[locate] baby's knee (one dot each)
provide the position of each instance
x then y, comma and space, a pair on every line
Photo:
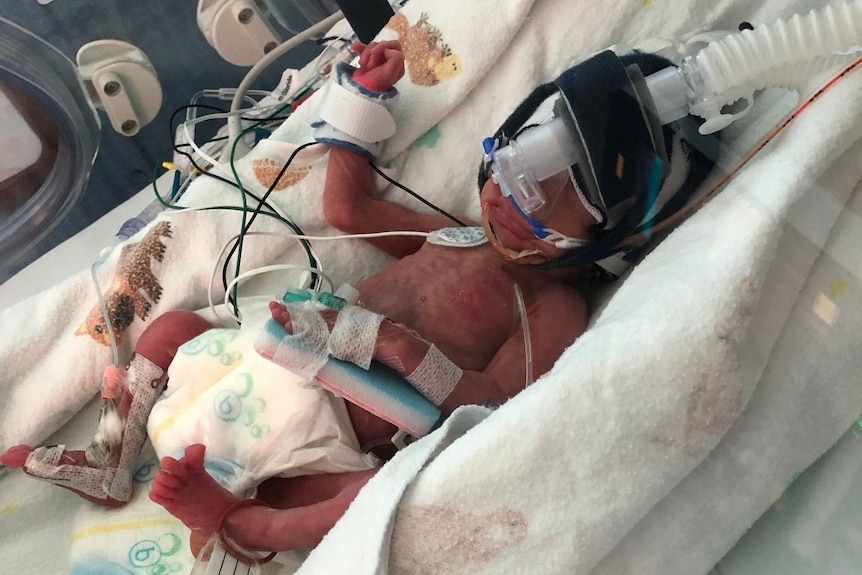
162, 338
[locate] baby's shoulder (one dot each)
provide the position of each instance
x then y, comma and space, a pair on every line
558, 303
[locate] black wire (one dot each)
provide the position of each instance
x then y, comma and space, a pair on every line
205, 172
399, 185
178, 111
260, 205
209, 174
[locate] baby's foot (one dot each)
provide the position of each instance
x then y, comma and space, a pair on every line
189, 493
16, 457
68, 469
103, 472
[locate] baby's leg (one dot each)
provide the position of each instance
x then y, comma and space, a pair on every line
189, 493
102, 472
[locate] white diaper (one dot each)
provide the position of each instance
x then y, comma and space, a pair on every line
254, 417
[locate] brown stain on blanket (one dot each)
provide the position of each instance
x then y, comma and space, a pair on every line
432, 540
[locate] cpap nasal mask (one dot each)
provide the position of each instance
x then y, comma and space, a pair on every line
595, 130
533, 170
612, 115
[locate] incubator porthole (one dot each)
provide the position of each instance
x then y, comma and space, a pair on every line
48, 142
28, 148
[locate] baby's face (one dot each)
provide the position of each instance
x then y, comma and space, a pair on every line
567, 215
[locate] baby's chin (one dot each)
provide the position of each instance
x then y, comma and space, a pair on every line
512, 247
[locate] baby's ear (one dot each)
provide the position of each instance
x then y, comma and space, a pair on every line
82, 329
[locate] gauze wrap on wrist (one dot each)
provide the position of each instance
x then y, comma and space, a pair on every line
352, 116
354, 335
353, 338
307, 352
436, 376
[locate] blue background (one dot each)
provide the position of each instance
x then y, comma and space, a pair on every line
167, 31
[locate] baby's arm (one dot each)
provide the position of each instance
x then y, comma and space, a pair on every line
555, 322
350, 204
350, 201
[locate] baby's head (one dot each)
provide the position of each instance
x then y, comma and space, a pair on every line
583, 163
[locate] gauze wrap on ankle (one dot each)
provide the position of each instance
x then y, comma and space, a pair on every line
354, 335
307, 353
436, 376
108, 478
352, 116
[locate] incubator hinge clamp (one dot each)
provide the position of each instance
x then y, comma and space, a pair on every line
120, 79
239, 30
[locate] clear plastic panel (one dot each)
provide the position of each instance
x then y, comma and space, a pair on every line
54, 132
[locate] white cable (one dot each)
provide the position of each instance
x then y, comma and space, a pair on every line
103, 307
214, 164
362, 236
234, 125
318, 271
218, 262
267, 269
217, 165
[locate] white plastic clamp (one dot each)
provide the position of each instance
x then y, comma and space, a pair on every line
239, 30
121, 80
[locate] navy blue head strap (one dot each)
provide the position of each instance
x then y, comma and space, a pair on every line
625, 164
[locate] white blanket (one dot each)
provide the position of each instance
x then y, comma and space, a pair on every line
579, 470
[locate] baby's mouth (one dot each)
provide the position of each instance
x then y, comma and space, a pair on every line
506, 217
522, 257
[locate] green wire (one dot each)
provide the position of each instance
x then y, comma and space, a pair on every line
245, 223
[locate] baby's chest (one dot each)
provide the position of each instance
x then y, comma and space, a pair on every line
462, 305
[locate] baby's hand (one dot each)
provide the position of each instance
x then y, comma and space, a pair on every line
281, 314
381, 64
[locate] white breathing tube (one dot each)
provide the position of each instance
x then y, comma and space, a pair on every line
785, 54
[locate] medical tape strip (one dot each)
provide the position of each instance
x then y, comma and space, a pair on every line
307, 352
436, 376
45, 463
354, 335
356, 115
352, 116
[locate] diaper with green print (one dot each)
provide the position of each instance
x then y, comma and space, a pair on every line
256, 419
